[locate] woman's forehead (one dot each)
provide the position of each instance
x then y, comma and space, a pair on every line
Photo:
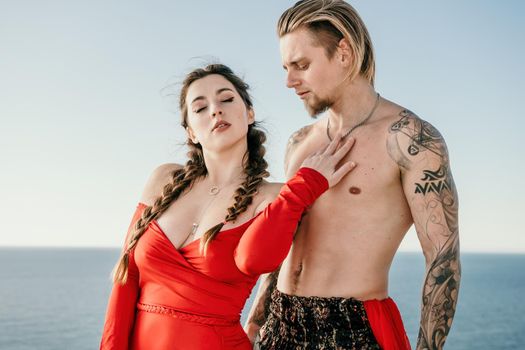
208, 86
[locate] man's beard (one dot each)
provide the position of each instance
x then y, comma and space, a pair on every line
317, 106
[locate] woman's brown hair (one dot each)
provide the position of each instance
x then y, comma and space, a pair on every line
183, 179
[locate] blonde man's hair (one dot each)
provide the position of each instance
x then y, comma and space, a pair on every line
329, 21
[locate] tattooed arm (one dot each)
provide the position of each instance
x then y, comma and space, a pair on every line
420, 151
261, 305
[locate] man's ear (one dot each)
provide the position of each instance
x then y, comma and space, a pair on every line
251, 116
345, 52
191, 135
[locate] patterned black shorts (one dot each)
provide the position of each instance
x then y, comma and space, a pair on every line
297, 323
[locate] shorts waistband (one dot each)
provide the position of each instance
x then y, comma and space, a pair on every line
323, 300
308, 301
208, 320
293, 308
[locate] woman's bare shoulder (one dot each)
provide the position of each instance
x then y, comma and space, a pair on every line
268, 191
271, 189
160, 176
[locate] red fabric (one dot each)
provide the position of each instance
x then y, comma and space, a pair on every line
187, 301
387, 325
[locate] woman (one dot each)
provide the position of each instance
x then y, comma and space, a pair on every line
203, 233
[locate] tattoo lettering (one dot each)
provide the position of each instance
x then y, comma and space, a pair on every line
435, 181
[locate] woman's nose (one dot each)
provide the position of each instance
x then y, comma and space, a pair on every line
216, 111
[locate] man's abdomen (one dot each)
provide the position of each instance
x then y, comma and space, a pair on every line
333, 260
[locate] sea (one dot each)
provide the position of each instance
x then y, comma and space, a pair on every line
55, 298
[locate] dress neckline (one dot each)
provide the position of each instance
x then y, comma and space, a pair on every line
221, 232
160, 230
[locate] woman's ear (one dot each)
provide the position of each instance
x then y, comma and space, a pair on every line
251, 116
191, 135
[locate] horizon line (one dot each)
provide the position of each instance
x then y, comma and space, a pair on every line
117, 247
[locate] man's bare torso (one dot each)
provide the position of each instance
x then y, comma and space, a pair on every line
346, 242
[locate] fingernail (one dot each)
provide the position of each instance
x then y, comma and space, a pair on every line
352, 164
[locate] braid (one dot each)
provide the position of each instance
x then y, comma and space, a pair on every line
182, 181
255, 169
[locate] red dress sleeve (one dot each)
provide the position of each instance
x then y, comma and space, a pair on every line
120, 313
266, 242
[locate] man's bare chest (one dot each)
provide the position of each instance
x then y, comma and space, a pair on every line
374, 174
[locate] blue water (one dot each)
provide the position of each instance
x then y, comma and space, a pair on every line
56, 298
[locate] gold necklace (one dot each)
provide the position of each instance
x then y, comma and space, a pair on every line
358, 124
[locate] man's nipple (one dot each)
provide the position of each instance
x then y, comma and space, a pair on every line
354, 190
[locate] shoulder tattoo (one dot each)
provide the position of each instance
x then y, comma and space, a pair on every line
294, 140
421, 135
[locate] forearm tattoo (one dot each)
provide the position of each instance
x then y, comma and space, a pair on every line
262, 308
441, 286
435, 210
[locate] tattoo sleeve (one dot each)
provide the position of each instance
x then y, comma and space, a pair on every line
421, 153
261, 305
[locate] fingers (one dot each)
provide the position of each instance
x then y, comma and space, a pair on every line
324, 149
344, 149
320, 151
332, 146
341, 172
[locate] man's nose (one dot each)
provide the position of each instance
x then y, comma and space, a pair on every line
291, 80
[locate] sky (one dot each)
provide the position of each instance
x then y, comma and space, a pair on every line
88, 95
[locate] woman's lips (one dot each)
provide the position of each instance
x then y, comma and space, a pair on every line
221, 126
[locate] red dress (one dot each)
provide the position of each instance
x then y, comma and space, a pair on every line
177, 299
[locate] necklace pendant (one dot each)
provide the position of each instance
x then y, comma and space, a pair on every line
194, 228
214, 190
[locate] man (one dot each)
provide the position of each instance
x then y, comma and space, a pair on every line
332, 289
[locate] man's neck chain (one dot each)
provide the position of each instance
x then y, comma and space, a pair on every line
358, 124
